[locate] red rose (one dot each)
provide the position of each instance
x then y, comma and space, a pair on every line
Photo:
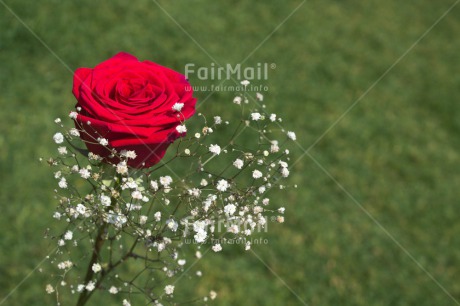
129, 103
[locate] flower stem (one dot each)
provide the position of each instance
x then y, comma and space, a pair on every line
85, 295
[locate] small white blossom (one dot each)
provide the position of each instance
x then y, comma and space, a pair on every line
256, 174
217, 120
143, 220
217, 247
62, 183
281, 210
58, 138
200, 236
203, 182
122, 167
291, 135
81, 209
62, 150
57, 120
245, 82
237, 100
230, 209
105, 200
165, 180
212, 294
181, 262
238, 163
274, 148
280, 219
74, 132
113, 290
284, 172
214, 149
181, 128
96, 268
49, 289
84, 173
259, 96
222, 185
172, 225
157, 216
169, 289
129, 154
103, 141
273, 117
154, 185
73, 115
197, 135
126, 303
68, 235
178, 106
256, 116
137, 195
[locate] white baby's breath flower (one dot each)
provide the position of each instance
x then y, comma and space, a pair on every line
203, 182
68, 235
256, 174
58, 138
126, 303
215, 149
181, 262
49, 289
143, 220
222, 185
165, 180
81, 209
137, 195
284, 172
178, 106
237, 100
130, 154
122, 167
291, 135
273, 117
73, 115
84, 173
103, 141
157, 216
197, 135
217, 120
229, 209
256, 116
245, 82
217, 247
169, 289
62, 183
238, 163
62, 150
90, 286
259, 96
113, 290
200, 236
154, 185
105, 200
96, 268
281, 210
212, 294
181, 129
274, 148
74, 132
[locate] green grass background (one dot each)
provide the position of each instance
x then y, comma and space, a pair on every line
396, 152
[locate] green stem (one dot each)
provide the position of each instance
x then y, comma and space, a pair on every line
85, 295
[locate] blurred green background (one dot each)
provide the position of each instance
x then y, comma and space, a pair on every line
396, 152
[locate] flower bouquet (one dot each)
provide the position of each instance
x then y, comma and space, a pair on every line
146, 187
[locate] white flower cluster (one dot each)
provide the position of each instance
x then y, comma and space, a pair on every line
152, 214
